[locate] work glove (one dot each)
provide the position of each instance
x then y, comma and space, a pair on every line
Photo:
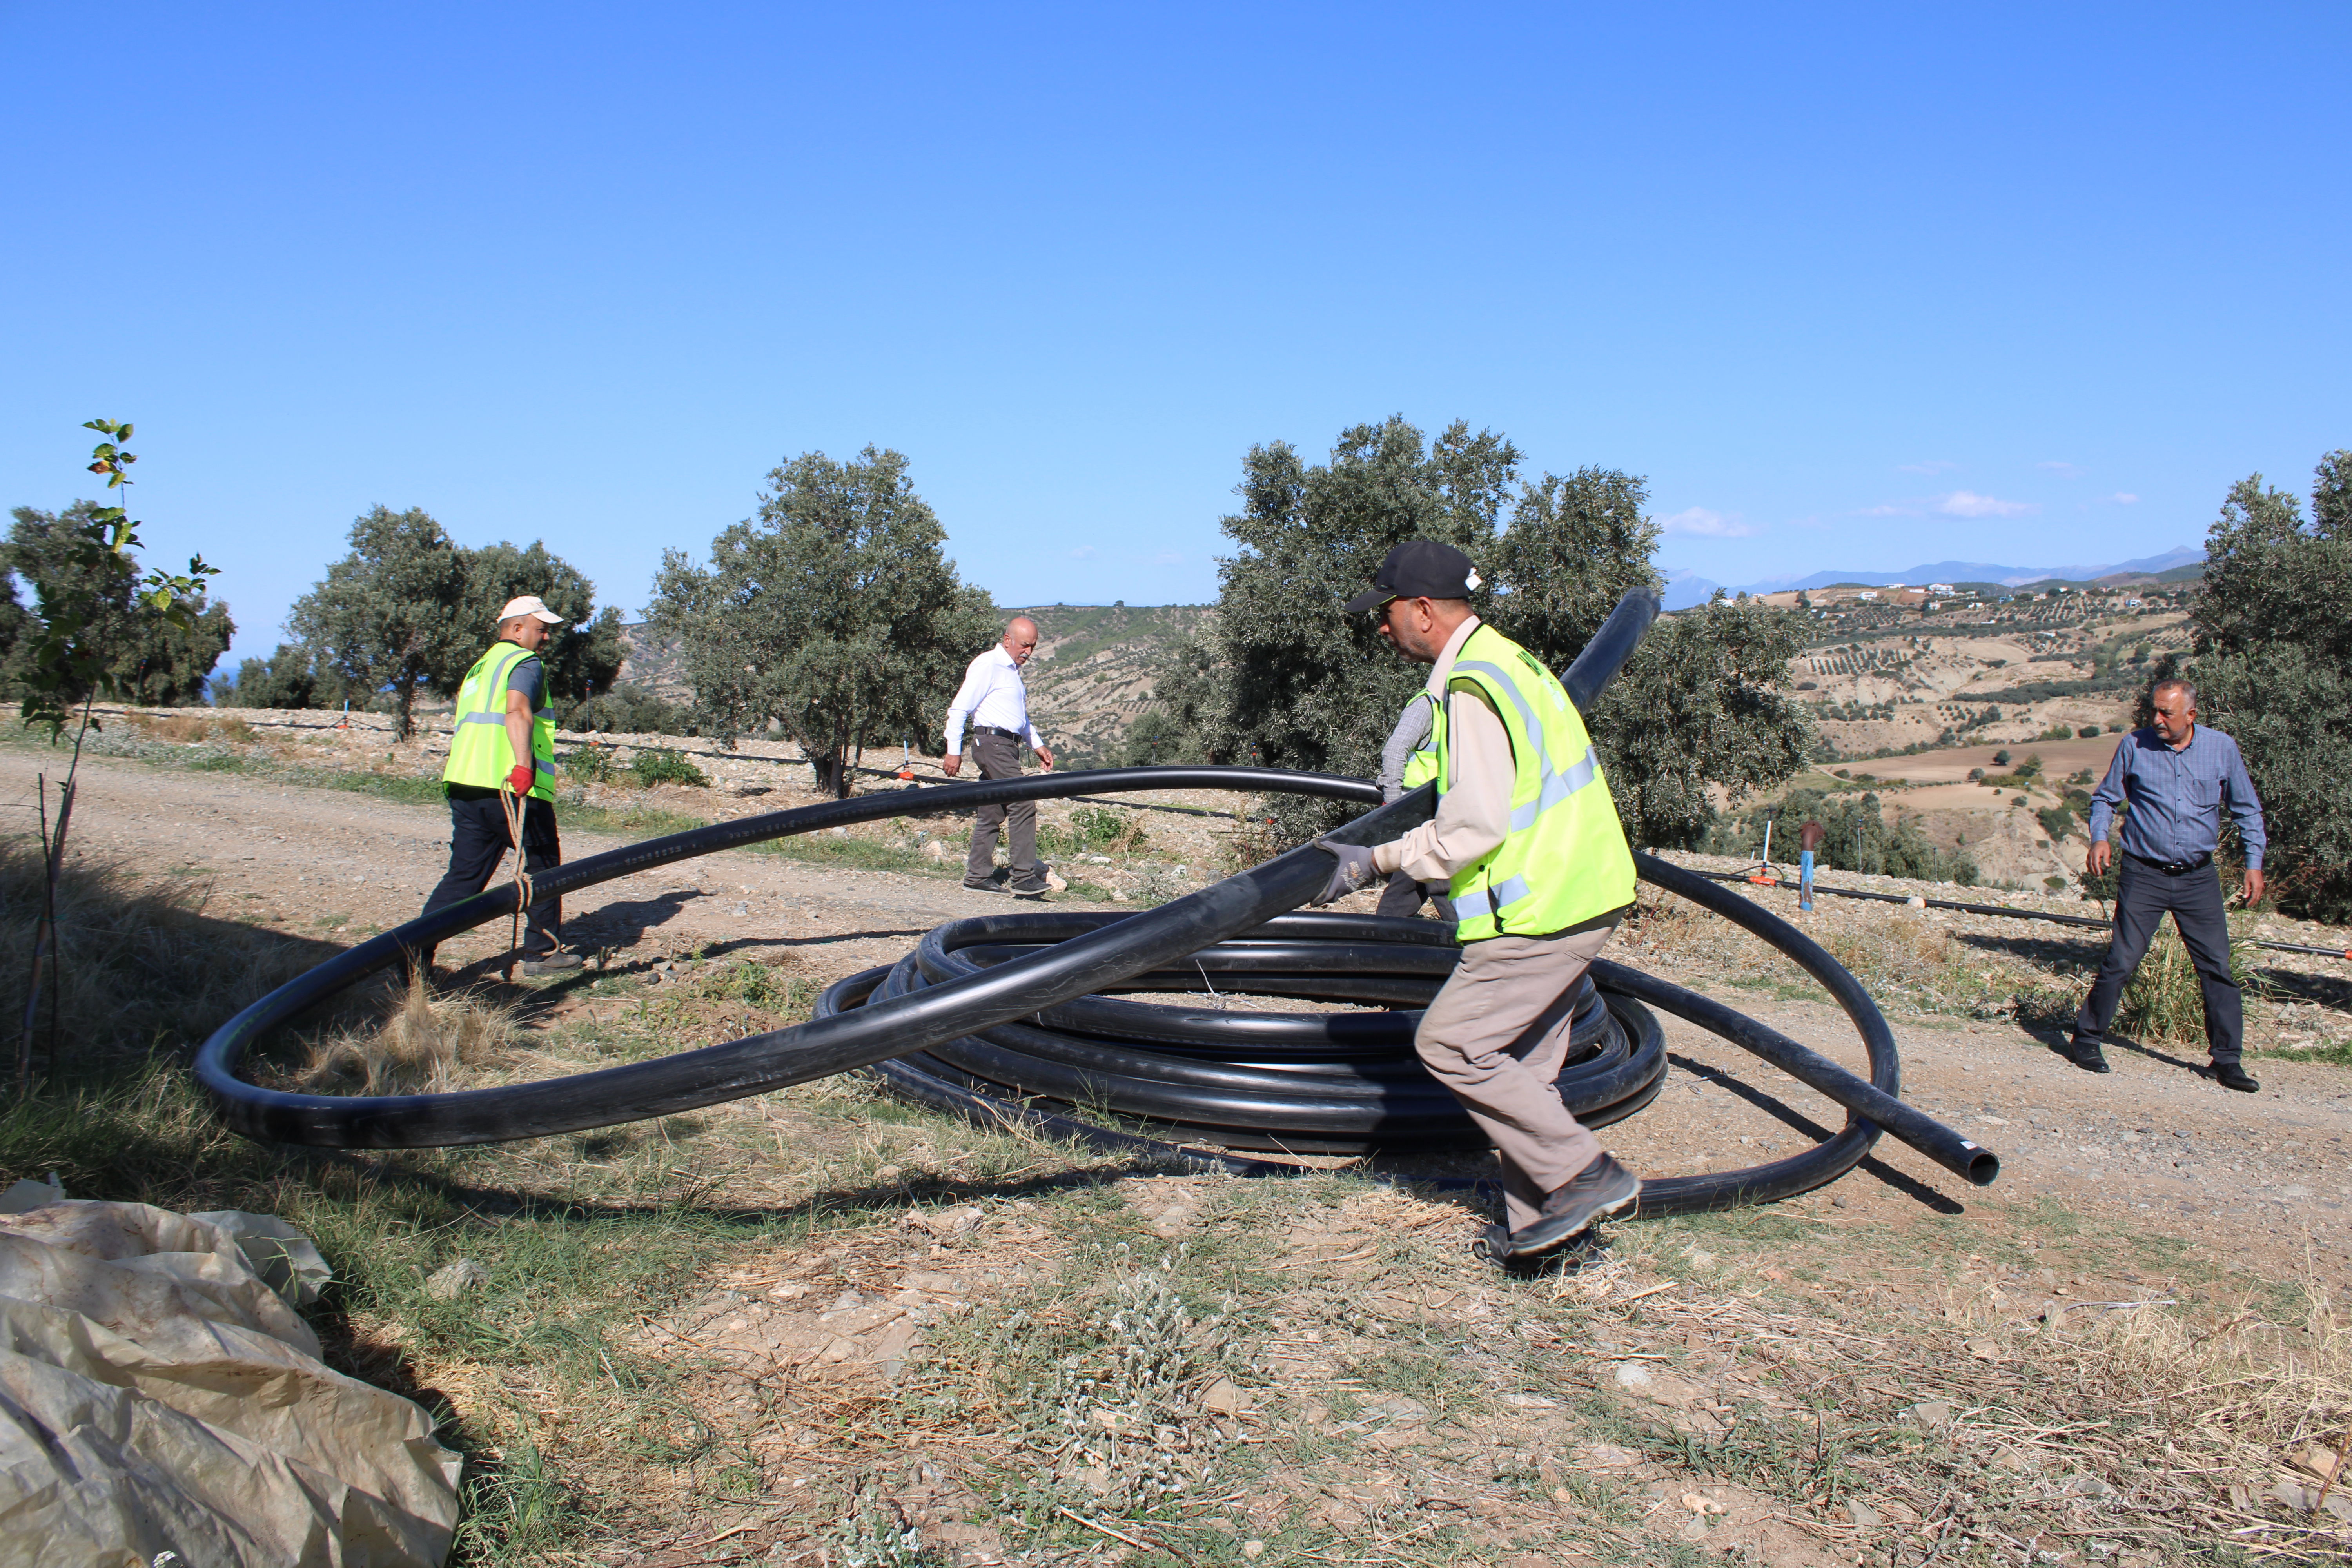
521, 777
1354, 870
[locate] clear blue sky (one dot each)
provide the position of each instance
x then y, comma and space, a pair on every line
1854, 287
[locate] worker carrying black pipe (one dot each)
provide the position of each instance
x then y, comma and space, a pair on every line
1526, 838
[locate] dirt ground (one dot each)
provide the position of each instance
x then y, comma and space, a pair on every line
2150, 1162
2153, 1139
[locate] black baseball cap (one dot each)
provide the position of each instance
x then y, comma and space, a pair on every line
1418, 569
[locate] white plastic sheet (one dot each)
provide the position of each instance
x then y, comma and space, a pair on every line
159, 1394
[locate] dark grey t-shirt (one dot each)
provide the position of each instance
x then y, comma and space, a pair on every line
529, 677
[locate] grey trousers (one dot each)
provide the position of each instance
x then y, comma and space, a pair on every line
2143, 893
1495, 1035
999, 757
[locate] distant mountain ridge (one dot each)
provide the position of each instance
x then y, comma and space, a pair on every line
1690, 589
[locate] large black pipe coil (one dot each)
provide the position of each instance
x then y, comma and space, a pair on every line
1022, 1017
1214, 1070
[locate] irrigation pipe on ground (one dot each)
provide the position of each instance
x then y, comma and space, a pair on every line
1019, 1017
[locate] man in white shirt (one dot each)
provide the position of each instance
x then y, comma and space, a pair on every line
997, 705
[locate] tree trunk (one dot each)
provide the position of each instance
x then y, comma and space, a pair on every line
833, 774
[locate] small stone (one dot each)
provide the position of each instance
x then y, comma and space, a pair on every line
1634, 1374
2084, 1484
1224, 1398
1928, 1413
1253, 1549
1864, 1516
455, 1280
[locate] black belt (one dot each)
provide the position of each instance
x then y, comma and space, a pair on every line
2173, 867
995, 729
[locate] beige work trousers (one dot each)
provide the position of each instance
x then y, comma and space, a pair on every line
1495, 1035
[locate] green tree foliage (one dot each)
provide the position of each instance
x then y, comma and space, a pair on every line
140, 653
2272, 668
584, 656
1283, 678
1858, 839
834, 614
391, 616
289, 678
631, 710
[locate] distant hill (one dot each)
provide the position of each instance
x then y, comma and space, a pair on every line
1096, 669
2171, 561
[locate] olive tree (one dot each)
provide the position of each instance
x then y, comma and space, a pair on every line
2273, 667
1283, 678
833, 614
391, 616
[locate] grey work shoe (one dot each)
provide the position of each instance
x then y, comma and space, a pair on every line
1029, 884
1601, 1189
550, 964
992, 883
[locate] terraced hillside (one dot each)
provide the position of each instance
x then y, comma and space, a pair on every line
1096, 668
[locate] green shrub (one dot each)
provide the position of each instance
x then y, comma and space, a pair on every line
660, 765
1097, 829
1858, 839
630, 710
588, 764
2087, 731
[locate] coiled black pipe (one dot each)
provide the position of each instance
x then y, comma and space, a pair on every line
971, 988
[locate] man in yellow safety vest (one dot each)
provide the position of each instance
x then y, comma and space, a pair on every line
1528, 840
502, 760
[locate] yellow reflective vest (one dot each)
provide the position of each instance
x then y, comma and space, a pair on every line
479, 752
1565, 860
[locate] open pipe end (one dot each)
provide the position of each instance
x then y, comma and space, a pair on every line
1983, 1168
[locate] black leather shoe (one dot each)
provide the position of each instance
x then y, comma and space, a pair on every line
2087, 1055
2230, 1075
1601, 1189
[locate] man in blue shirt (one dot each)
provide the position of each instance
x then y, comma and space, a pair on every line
2177, 776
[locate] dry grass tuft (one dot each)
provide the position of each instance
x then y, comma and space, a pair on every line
424, 1044
141, 967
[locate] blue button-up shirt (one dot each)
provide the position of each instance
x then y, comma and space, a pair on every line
2177, 797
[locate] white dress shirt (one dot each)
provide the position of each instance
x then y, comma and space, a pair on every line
992, 694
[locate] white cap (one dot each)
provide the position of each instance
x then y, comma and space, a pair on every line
528, 605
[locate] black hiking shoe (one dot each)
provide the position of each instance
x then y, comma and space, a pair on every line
2230, 1075
1601, 1189
1029, 884
992, 883
2087, 1055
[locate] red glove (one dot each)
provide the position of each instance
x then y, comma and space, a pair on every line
521, 777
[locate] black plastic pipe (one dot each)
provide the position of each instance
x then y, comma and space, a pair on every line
901, 1010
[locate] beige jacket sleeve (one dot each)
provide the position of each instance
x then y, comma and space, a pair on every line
1474, 815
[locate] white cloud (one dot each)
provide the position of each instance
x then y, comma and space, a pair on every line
1933, 466
1168, 558
2124, 498
1082, 551
1967, 503
1707, 524
2064, 471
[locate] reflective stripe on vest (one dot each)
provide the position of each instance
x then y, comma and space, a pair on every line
484, 760
1564, 859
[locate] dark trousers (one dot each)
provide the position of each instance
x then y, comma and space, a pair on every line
479, 840
1402, 897
999, 757
2143, 894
